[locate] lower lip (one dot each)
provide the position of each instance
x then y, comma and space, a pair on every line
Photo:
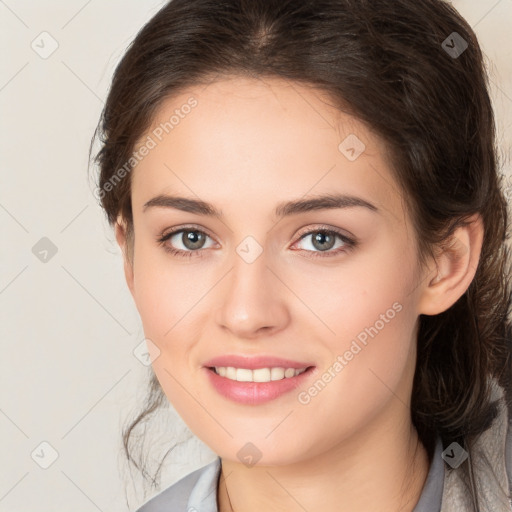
254, 393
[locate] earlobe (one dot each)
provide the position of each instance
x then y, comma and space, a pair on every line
123, 242
455, 265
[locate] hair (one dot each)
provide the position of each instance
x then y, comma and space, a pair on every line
387, 64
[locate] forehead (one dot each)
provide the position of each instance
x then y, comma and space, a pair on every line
265, 138
258, 105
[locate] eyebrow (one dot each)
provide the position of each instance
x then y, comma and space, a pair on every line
323, 202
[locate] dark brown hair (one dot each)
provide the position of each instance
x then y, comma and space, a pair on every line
397, 66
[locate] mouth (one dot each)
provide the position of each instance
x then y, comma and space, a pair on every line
254, 381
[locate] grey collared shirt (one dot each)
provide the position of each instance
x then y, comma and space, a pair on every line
197, 492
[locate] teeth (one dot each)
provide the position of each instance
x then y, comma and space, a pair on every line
277, 373
258, 375
261, 375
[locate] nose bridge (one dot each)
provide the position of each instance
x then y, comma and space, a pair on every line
250, 296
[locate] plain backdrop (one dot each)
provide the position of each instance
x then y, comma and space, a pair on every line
69, 376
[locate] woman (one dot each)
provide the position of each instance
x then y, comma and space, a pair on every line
307, 199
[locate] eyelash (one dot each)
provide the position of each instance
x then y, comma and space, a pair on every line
349, 243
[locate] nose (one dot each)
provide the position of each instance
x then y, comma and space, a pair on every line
252, 300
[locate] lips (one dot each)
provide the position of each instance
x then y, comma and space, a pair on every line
245, 379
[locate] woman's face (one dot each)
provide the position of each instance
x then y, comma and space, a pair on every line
261, 286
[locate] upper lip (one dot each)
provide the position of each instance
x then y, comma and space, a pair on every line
254, 362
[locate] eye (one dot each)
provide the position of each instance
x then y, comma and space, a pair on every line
323, 240
192, 241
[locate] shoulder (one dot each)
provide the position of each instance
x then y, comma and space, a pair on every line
491, 459
494, 454
177, 496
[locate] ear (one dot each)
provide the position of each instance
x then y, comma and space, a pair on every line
122, 240
456, 264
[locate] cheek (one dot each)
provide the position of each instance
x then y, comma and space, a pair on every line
371, 316
166, 291
368, 288
167, 300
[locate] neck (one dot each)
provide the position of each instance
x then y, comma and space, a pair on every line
386, 472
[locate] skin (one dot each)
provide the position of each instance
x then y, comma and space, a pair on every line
247, 146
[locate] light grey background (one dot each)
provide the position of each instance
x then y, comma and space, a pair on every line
68, 374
